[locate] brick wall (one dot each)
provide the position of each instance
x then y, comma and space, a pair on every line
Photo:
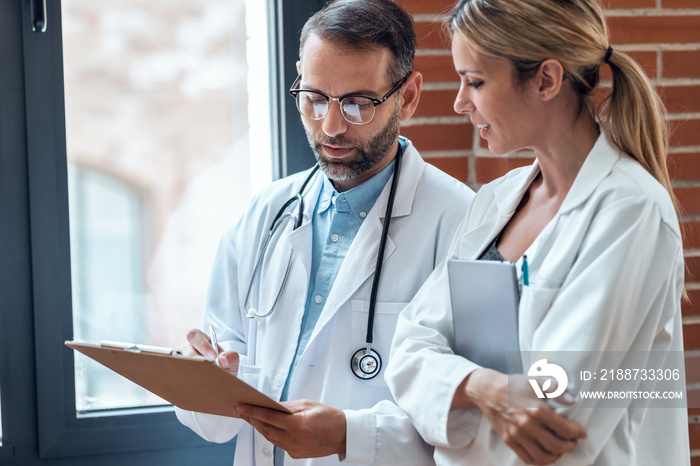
664, 37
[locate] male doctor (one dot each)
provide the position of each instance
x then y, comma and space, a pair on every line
309, 344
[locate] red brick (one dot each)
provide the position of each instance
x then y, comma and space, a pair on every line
609, 4
691, 307
681, 99
679, 3
436, 68
457, 167
439, 137
691, 336
490, 168
681, 64
689, 199
437, 103
692, 270
684, 166
691, 234
421, 7
685, 133
431, 35
694, 402
694, 437
692, 370
647, 60
654, 29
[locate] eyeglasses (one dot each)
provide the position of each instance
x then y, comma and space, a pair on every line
356, 109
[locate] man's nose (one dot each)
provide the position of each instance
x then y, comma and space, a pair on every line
334, 123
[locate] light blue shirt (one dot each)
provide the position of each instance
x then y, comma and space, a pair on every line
336, 220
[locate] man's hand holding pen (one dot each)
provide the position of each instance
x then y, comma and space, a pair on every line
201, 345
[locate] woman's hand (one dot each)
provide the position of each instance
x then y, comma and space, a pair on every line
533, 430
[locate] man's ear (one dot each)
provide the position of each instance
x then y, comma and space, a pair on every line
549, 79
299, 67
410, 95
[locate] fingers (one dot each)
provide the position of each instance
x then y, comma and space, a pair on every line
560, 426
272, 433
268, 416
229, 361
201, 344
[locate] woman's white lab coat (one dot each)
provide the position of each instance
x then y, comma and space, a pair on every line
427, 210
606, 275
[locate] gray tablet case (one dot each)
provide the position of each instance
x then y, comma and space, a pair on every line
485, 313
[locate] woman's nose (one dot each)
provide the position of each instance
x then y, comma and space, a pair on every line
463, 102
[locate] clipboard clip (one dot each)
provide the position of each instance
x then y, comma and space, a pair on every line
134, 348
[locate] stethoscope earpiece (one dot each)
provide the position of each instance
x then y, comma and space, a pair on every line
366, 363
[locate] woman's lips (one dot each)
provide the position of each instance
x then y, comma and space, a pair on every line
483, 129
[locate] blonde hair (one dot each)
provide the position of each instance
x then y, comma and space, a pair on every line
527, 32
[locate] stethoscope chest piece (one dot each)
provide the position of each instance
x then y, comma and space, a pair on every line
366, 363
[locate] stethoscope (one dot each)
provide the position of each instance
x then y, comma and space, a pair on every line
365, 362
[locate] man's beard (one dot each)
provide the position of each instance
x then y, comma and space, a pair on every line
367, 156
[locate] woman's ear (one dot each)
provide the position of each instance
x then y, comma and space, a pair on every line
549, 79
410, 95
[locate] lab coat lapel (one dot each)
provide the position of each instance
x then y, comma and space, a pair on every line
361, 259
301, 238
507, 197
595, 168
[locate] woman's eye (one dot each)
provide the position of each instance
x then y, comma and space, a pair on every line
475, 84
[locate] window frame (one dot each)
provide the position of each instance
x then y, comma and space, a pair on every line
39, 420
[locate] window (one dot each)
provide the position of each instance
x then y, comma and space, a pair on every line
157, 133
38, 382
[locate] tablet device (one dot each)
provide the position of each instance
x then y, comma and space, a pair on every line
485, 300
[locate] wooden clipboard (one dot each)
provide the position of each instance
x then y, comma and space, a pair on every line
193, 384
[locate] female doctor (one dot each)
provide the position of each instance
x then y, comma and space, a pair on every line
595, 217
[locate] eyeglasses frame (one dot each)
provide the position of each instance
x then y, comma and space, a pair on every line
294, 92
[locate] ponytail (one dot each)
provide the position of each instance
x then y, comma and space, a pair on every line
634, 117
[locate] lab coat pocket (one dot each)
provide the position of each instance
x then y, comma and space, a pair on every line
385, 317
250, 375
535, 302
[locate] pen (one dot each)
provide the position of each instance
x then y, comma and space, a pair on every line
526, 272
214, 342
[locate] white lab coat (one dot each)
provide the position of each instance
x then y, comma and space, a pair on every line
427, 210
606, 275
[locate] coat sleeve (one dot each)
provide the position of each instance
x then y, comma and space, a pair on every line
384, 433
619, 300
620, 292
222, 311
423, 373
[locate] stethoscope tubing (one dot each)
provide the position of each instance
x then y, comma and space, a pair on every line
380, 252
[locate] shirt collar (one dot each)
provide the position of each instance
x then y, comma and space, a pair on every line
360, 198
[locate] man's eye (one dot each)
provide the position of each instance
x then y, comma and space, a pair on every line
475, 84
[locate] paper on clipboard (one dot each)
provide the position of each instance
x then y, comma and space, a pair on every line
192, 384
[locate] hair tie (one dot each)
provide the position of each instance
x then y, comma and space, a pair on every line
606, 60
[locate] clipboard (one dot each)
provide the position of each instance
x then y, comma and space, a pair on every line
190, 383
485, 300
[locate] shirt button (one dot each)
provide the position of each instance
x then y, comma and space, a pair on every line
334, 238
279, 381
267, 451
318, 299
363, 214
324, 204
